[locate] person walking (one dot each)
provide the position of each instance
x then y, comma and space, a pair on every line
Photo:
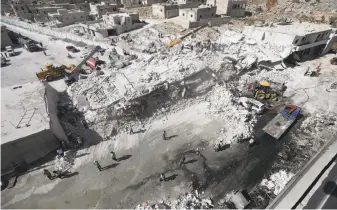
162, 177
131, 131
44, 52
113, 156
47, 174
96, 163
164, 135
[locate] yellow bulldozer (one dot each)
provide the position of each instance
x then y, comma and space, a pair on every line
265, 90
52, 72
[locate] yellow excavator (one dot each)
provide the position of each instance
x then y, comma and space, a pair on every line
265, 90
52, 72
177, 41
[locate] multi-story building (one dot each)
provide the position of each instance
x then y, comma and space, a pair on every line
233, 8
65, 17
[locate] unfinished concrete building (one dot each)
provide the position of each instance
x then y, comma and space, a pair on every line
113, 25
64, 17
233, 8
165, 11
98, 10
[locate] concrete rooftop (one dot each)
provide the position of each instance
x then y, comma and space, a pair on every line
17, 104
296, 28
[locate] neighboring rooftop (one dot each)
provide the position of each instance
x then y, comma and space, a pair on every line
296, 28
25, 104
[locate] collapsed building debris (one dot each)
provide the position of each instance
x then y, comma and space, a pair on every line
277, 181
185, 201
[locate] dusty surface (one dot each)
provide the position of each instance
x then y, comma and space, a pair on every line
206, 117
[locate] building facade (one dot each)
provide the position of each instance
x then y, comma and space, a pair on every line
233, 8
311, 44
113, 25
196, 14
164, 11
67, 17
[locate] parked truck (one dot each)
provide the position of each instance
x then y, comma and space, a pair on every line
28, 44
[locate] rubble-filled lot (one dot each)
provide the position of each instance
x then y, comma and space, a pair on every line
191, 92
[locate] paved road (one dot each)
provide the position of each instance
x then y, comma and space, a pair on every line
325, 196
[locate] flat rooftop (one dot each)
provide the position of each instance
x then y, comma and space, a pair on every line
20, 107
296, 28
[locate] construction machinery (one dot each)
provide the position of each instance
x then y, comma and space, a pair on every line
333, 61
266, 90
52, 72
177, 41
279, 124
28, 44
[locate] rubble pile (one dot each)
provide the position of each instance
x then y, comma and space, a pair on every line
222, 104
317, 123
61, 163
277, 181
131, 77
119, 61
186, 201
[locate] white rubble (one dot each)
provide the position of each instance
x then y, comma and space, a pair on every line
186, 201
61, 163
277, 181
221, 104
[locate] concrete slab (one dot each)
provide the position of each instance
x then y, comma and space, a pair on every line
23, 111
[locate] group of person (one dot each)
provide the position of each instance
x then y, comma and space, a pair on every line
113, 157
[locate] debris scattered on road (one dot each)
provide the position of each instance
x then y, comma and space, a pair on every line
277, 181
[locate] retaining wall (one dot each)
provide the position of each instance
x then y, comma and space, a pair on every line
28, 149
36, 146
